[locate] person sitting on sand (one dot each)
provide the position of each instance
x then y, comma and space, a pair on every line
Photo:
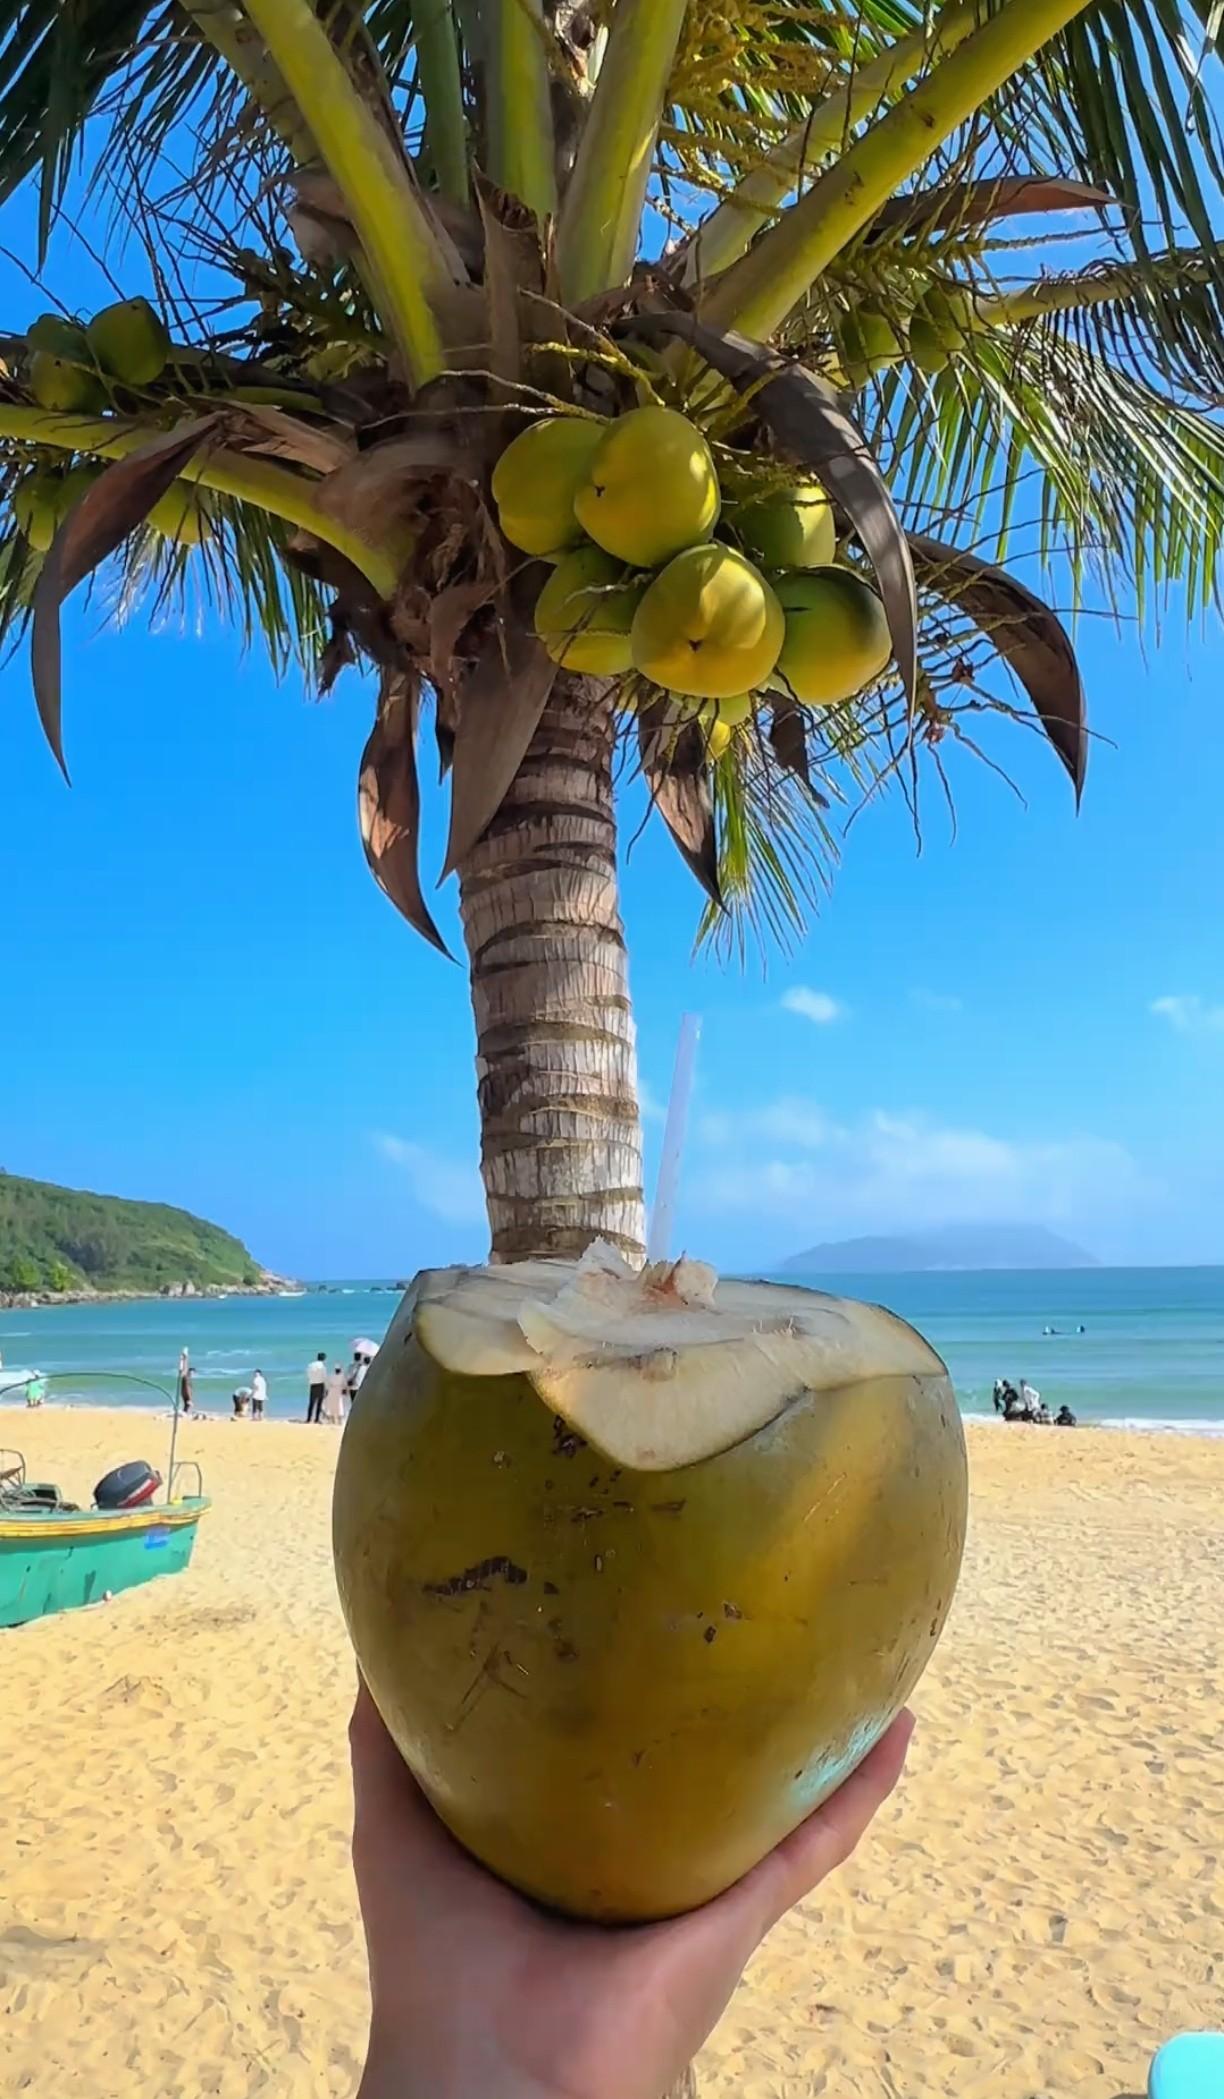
1064, 1417
1043, 1415
259, 1393
475, 1991
333, 1398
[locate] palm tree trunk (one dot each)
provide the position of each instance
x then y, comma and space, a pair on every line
561, 1141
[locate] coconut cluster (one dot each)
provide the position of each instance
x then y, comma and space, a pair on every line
74, 368
939, 327
718, 599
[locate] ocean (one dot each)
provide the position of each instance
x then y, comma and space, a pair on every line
1151, 1354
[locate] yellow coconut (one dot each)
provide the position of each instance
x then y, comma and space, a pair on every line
792, 528
584, 613
650, 489
837, 637
181, 515
64, 388
130, 341
709, 625
639, 1568
36, 507
536, 479
58, 336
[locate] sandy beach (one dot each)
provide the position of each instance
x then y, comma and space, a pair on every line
1037, 1909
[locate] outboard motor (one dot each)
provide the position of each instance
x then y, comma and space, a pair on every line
127, 1487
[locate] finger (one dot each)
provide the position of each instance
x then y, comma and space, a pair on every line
389, 1809
826, 1840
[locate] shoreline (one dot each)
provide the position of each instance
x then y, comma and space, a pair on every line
170, 1293
1176, 1426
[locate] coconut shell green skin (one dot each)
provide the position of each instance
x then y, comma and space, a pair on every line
622, 1677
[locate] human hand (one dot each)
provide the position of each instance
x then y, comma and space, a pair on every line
477, 1994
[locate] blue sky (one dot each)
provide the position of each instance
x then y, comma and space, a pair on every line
208, 1001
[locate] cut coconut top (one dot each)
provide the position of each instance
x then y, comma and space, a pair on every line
659, 1368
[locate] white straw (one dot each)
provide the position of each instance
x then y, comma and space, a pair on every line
659, 1237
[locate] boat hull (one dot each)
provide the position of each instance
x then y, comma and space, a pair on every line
62, 1560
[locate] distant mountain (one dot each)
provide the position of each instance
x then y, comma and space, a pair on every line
54, 1241
948, 1246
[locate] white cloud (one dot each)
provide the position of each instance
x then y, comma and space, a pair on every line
1189, 1014
937, 1001
446, 1187
816, 1006
892, 1170
652, 1108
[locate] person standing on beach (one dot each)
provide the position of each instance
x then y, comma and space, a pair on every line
186, 1387
333, 1398
259, 1393
316, 1386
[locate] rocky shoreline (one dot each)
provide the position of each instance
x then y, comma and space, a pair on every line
269, 1285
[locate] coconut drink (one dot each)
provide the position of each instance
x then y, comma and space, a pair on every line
639, 1566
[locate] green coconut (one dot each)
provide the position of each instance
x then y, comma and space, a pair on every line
927, 350
63, 388
537, 478
36, 507
708, 626
837, 636
584, 613
790, 528
651, 489
639, 1567
948, 314
57, 336
130, 341
181, 515
869, 343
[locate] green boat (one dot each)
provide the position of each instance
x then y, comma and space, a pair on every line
54, 1557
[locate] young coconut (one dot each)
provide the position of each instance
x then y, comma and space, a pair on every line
927, 351
639, 1567
585, 611
57, 336
651, 489
868, 343
63, 388
130, 340
36, 507
181, 515
536, 479
792, 528
837, 637
720, 719
947, 314
709, 625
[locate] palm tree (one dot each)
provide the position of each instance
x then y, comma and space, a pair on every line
387, 238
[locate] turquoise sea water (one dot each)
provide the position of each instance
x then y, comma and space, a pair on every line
1152, 1352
